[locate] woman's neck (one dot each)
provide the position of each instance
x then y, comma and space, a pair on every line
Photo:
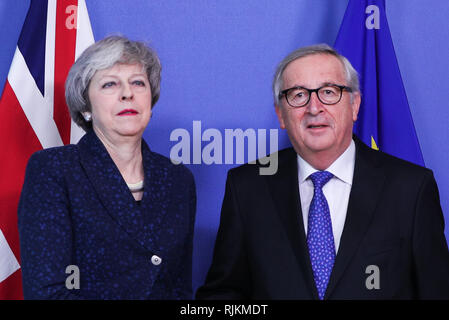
127, 156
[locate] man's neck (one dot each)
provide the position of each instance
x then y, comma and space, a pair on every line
323, 159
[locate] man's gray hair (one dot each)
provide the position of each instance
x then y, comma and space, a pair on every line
352, 77
103, 55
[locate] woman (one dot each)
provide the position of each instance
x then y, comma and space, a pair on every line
108, 207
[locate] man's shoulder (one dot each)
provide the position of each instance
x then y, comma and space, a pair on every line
394, 166
279, 161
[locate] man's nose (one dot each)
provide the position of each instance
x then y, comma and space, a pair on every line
314, 106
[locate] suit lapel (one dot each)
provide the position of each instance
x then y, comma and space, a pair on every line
285, 192
155, 202
112, 190
366, 189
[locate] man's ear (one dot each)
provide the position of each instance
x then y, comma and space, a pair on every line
280, 116
357, 99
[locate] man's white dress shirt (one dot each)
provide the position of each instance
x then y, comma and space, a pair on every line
336, 191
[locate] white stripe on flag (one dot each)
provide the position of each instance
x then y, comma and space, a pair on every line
84, 38
37, 110
50, 38
84, 35
8, 261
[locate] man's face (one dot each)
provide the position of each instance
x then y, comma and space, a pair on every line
318, 131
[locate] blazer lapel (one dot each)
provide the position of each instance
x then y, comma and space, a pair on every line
285, 192
366, 189
111, 188
155, 202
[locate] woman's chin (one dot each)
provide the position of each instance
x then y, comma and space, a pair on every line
131, 131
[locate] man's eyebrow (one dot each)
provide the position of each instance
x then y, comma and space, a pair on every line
328, 84
322, 84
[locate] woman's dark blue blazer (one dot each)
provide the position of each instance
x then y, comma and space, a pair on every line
76, 209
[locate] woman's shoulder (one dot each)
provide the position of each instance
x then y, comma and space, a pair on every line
54, 157
55, 152
177, 169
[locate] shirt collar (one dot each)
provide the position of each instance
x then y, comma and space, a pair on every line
342, 168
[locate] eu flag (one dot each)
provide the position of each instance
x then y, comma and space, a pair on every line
384, 120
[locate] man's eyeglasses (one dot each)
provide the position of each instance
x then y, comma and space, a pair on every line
299, 96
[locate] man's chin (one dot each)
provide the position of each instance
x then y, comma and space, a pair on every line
318, 144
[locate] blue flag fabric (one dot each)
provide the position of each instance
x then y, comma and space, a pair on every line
384, 120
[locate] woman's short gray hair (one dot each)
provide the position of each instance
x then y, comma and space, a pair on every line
352, 77
102, 55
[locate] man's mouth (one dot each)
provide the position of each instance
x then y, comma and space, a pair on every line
316, 126
127, 112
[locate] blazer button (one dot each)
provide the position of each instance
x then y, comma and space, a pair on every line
156, 260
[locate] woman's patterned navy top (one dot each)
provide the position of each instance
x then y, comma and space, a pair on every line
76, 209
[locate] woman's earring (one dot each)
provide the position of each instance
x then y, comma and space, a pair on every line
87, 116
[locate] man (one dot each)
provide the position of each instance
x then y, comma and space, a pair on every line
338, 220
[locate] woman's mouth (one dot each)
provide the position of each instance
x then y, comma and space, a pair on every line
127, 112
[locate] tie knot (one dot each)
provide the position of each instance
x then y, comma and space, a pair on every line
320, 178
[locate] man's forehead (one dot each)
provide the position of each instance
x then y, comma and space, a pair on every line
321, 68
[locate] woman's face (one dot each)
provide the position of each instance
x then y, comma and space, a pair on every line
120, 97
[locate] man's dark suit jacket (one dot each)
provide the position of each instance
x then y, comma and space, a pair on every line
76, 209
394, 221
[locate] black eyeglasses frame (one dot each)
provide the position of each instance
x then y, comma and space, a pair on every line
310, 91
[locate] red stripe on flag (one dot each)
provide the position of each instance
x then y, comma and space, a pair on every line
18, 142
11, 287
65, 43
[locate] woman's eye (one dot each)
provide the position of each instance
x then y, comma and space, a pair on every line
108, 84
139, 83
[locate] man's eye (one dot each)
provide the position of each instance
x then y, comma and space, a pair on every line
299, 94
329, 92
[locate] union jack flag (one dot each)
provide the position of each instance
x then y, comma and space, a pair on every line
54, 34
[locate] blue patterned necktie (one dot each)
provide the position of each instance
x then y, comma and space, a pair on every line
320, 239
